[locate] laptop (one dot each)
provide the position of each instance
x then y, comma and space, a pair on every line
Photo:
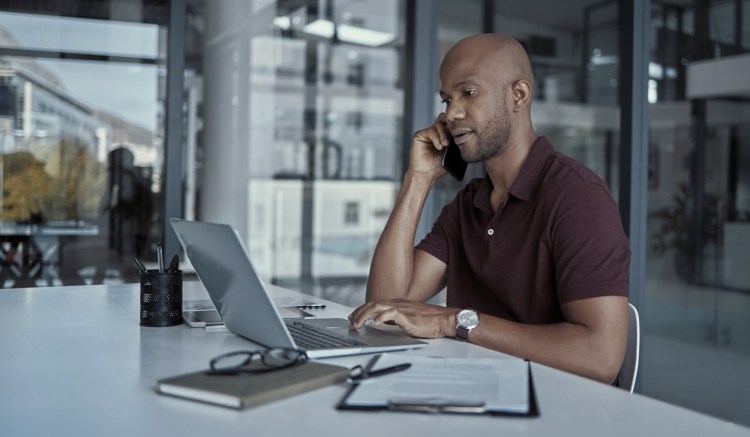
241, 298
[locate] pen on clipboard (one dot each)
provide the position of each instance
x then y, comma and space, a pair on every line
310, 306
367, 374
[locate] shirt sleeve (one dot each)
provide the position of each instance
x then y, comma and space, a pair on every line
436, 241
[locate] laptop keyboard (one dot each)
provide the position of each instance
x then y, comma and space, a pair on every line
309, 337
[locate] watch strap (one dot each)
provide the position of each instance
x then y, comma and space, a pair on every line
462, 333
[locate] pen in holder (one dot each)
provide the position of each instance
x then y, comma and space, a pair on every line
161, 298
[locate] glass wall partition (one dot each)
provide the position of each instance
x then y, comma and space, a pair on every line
298, 133
698, 287
80, 142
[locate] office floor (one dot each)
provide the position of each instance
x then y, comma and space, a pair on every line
706, 315
696, 377
696, 345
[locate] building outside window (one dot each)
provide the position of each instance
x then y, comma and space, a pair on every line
80, 144
351, 213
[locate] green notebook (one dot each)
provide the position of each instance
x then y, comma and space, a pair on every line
246, 391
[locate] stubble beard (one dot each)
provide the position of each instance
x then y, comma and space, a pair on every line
493, 141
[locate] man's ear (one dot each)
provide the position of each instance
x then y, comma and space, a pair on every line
521, 94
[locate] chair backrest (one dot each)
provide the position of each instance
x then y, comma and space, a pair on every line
629, 369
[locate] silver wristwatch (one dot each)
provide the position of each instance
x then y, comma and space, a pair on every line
466, 321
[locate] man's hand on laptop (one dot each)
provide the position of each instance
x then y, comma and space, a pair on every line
416, 318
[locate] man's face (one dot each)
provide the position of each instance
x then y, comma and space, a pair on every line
474, 92
476, 112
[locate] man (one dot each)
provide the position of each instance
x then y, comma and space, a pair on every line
534, 252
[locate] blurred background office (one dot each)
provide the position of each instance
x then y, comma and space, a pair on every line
291, 120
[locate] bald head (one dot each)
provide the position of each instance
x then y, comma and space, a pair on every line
495, 54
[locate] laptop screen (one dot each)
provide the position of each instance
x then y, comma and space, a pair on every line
239, 294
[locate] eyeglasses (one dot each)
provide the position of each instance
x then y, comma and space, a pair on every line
253, 362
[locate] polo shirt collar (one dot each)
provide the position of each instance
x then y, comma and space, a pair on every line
526, 180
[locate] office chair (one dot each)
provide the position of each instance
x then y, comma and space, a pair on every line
629, 369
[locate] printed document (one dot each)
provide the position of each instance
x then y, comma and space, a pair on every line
499, 384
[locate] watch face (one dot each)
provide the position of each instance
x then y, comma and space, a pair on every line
468, 318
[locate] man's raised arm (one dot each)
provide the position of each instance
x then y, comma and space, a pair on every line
397, 269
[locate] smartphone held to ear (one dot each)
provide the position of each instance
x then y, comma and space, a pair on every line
452, 161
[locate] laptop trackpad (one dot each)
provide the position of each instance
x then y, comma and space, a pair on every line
366, 334
328, 323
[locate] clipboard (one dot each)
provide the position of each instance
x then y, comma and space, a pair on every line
437, 405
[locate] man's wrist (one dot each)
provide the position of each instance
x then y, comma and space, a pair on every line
421, 180
449, 322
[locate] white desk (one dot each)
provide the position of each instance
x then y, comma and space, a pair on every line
74, 361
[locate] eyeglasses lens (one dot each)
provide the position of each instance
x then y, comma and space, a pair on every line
232, 361
281, 357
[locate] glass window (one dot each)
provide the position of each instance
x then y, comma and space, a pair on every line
80, 146
697, 285
298, 132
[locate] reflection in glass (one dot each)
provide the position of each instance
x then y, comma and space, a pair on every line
698, 200
81, 154
697, 288
302, 119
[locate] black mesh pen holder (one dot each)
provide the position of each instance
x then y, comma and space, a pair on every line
161, 298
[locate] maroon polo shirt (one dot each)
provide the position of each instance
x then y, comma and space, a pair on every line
557, 238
